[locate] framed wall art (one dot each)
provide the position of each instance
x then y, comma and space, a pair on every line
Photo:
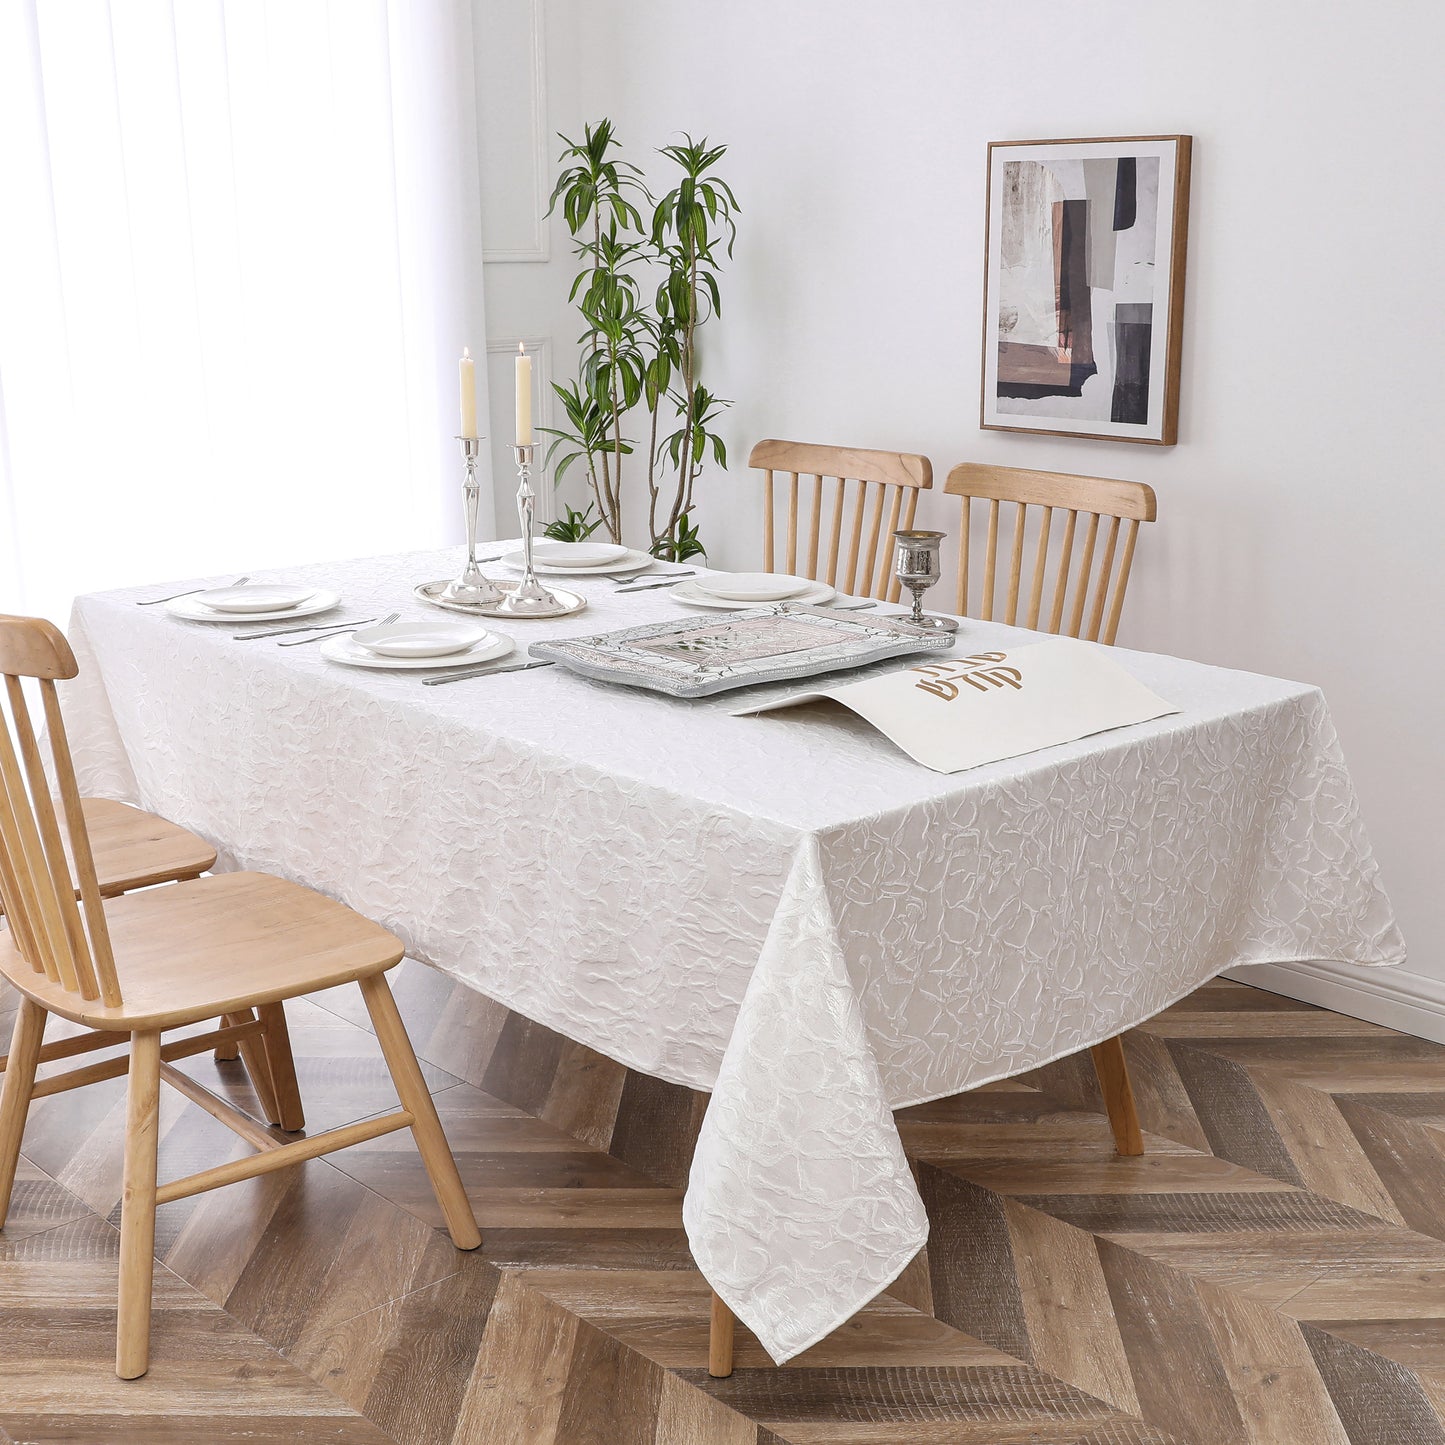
1084, 286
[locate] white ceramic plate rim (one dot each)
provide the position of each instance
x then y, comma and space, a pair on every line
390, 641
211, 597
634, 561
816, 596
778, 589
352, 654
319, 602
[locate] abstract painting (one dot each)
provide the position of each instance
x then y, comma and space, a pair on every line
1085, 286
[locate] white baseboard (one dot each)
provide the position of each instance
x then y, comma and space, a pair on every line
1409, 1002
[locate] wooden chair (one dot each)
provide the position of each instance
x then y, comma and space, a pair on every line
1124, 504
131, 968
134, 849
1090, 499
878, 483
1078, 593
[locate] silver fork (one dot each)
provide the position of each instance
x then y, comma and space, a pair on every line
623, 578
332, 631
671, 580
309, 627
154, 601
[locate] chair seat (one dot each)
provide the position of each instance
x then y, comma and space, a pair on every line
214, 946
134, 849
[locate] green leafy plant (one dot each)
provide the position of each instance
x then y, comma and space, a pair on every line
636, 351
682, 543
689, 226
595, 191
575, 526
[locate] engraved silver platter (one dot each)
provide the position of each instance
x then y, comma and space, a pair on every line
571, 602
700, 656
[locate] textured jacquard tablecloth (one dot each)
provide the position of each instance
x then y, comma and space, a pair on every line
784, 910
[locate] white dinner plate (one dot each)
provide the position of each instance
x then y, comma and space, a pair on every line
429, 637
817, 594
753, 586
255, 597
632, 561
578, 554
353, 654
193, 611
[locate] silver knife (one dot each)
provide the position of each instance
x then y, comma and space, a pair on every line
482, 672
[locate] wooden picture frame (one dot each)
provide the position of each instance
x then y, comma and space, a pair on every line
1084, 252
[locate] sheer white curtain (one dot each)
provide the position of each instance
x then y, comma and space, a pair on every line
239, 254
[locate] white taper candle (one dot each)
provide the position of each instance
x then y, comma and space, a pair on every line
524, 397
468, 370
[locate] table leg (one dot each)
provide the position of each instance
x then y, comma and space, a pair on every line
1113, 1072
720, 1340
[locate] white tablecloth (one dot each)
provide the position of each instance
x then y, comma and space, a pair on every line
783, 910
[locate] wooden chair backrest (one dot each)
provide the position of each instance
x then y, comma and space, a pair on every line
891, 481
1083, 601
36, 885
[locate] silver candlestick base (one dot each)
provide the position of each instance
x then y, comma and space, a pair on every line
472, 589
916, 565
528, 598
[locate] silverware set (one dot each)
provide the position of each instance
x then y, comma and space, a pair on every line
305, 627
638, 581
335, 628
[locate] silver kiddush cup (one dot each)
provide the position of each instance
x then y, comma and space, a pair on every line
916, 564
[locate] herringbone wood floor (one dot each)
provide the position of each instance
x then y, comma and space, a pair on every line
1272, 1272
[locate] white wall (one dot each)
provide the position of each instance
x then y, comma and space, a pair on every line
528, 63
1302, 512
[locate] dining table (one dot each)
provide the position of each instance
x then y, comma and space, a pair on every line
783, 910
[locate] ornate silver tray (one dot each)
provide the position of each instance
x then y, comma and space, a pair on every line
701, 656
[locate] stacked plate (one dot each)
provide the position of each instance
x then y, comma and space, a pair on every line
579, 559
736, 591
254, 602
428, 643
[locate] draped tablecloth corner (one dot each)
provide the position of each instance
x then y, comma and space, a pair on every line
799, 1142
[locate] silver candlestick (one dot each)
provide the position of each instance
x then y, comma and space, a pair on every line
528, 598
472, 589
916, 565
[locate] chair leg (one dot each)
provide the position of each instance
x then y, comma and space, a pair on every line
720, 1340
1113, 1072
258, 1067
228, 1053
138, 1207
276, 1042
15, 1094
426, 1128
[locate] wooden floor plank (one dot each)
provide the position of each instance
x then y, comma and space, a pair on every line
1271, 1262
